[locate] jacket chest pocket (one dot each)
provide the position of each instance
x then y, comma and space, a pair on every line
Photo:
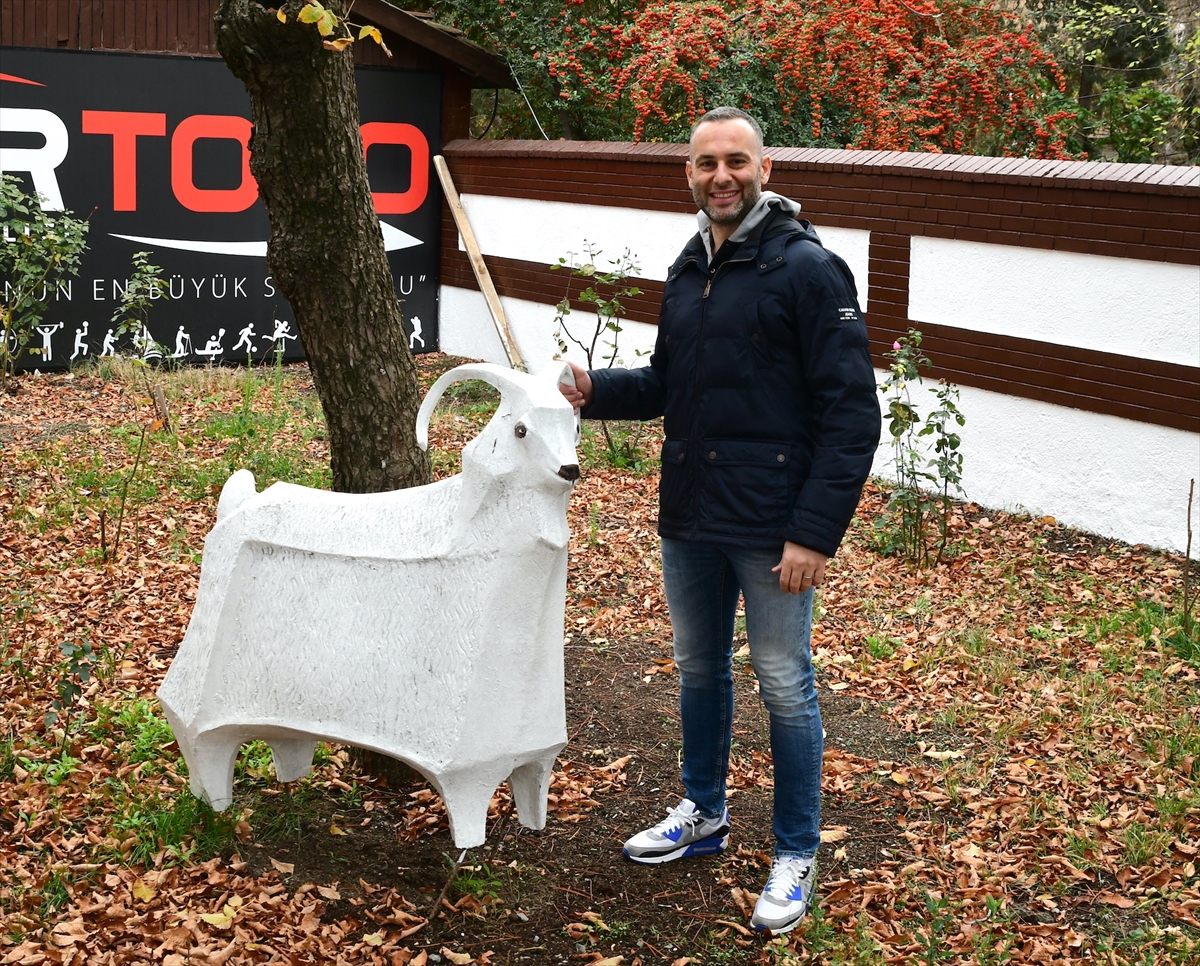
756, 338
775, 319
745, 483
732, 348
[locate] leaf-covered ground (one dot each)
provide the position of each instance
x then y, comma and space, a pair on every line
1010, 773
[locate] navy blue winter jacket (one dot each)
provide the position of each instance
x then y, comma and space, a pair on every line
762, 373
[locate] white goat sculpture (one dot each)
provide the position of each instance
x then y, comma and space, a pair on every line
426, 624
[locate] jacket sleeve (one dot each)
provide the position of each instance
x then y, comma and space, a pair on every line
845, 408
631, 393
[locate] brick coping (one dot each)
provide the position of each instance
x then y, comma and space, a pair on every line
1098, 175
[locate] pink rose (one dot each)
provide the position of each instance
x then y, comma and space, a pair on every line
895, 345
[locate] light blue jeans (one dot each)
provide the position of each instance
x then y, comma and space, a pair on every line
703, 582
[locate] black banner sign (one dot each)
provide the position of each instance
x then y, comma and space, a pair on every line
155, 148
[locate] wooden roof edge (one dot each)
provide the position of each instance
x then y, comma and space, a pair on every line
485, 68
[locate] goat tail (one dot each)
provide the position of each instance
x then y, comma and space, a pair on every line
236, 491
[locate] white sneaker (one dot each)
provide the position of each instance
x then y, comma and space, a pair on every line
682, 833
787, 896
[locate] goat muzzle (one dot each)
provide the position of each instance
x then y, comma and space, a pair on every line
570, 471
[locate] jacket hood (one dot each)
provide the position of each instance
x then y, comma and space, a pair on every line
768, 203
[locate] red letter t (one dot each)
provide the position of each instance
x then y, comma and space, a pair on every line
125, 127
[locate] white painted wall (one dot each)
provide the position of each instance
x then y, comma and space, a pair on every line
545, 231
1103, 474
466, 329
1149, 310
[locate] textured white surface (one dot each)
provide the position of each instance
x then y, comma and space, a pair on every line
1107, 475
545, 231
426, 623
1150, 310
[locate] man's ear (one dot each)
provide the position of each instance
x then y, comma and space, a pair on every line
687, 167
766, 169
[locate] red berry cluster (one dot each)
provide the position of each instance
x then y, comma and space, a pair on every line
961, 76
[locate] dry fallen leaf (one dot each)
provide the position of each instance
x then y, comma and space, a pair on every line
943, 755
66, 934
834, 834
744, 900
218, 958
219, 919
459, 959
287, 868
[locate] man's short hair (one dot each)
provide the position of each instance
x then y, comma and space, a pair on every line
730, 114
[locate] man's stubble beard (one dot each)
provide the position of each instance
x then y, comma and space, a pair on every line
749, 200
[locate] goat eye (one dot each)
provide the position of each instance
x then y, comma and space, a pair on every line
520, 430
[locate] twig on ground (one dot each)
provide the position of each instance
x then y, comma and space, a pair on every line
1188, 601
125, 492
433, 912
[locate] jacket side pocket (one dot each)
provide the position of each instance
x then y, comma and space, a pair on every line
675, 486
745, 483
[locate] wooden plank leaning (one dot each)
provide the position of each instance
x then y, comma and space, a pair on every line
482, 276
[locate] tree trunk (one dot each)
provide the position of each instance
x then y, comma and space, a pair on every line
326, 251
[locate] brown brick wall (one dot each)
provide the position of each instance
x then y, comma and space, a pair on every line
1131, 211
1126, 210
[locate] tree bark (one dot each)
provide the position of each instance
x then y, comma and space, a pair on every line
326, 251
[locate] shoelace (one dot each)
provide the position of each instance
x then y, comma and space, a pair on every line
676, 818
786, 874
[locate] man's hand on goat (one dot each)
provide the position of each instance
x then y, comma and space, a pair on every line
800, 569
581, 394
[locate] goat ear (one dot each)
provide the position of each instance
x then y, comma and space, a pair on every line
502, 378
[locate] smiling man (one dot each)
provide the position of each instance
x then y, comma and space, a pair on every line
762, 374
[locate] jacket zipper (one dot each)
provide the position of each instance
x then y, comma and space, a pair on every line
697, 455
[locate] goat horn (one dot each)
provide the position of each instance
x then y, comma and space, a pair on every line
501, 377
566, 376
